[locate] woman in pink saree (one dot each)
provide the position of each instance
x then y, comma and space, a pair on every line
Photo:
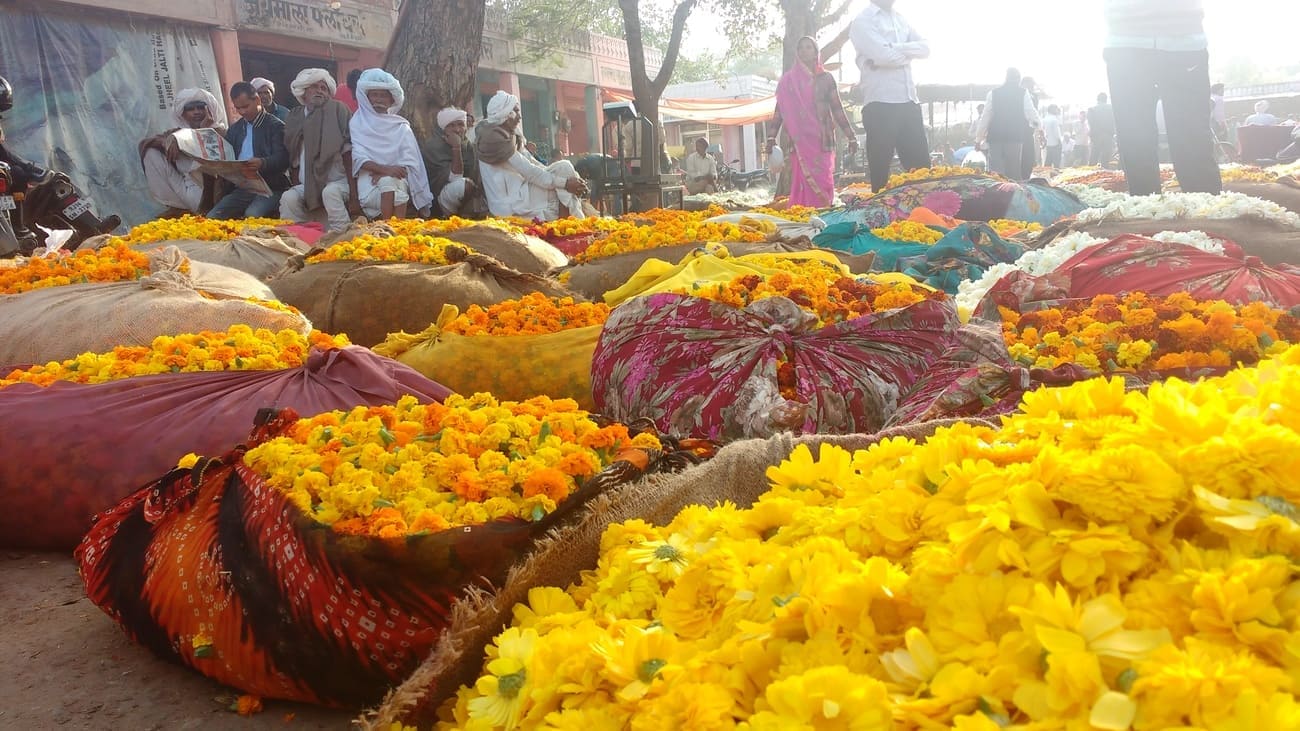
808, 104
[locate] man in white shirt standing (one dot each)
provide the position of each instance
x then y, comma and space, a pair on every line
1053, 140
1156, 50
886, 45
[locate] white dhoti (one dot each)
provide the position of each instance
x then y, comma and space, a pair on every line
334, 196
510, 194
370, 193
452, 194
175, 186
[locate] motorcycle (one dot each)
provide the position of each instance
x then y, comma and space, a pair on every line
50, 203
729, 178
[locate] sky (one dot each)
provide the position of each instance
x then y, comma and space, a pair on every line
1058, 42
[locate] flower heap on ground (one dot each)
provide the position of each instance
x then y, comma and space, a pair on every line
667, 227
411, 468
1190, 205
532, 314
798, 214
1007, 228
815, 286
1049, 258
189, 227
909, 232
1138, 332
415, 248
1103, 560
115, 262
1092, 196
436, 226
240, 348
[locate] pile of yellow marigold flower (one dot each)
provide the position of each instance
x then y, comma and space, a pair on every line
415, 248
240, 348
409, 468
112, 263
1102, 560
532, 314
909, 232
193, 227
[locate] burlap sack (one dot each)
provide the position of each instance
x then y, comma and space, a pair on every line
1273, 242
1285, 192
58, 323
521, 252
261, 255
594, 278
736, 474
367, 300
227, 282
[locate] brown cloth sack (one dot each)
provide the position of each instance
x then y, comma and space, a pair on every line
598, 276
367, 300
59, 323
1274, 243
736, 474
260, 256
523, 253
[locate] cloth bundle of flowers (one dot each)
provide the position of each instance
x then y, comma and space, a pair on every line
933, 173
910, 232
196, 228
532, 314
1138, 332
1246, 174
1190, 205
115, 262
415, 248
819, 289
1007, 228
798, 214
435, 226
1092, 196
1103, 560
241, 348
409, 468
1049, 258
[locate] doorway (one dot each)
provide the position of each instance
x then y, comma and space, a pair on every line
281, 70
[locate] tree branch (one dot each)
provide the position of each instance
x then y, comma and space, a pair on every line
834, 15
834, 45
665, 74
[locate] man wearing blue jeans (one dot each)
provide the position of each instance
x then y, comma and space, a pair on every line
258, 140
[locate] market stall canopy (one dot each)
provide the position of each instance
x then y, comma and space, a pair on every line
943, 93
717, 111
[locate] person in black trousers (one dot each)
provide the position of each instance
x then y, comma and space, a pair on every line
1157, 50
1029, 150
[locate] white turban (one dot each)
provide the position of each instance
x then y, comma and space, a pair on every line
216, 112
450, 115
500, 106
309, 77
387, 138
1261, 107
260, 83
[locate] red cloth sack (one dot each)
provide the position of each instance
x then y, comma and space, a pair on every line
71, 450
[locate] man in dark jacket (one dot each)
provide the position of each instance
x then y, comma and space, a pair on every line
1008, 116
258, 141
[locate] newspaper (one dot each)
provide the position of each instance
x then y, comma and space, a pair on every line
214, 156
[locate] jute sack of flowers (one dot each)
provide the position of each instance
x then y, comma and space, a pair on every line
260, 255
308, 565
594, 278
1285, 192
735, 475
83, 435
57, 323
517, 349
516, 250
367, 300
709, 369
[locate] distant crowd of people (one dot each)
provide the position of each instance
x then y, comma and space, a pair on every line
345, 152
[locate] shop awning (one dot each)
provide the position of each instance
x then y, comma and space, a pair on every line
716, 111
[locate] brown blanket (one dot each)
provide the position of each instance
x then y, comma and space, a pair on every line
325, 134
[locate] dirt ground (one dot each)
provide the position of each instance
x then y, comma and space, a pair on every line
68, 666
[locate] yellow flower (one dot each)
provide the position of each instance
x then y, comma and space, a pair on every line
825, 698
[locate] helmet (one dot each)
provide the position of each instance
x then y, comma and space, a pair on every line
6, 95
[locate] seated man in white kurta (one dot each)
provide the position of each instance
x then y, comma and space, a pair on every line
174, 180
516, 185
386, 159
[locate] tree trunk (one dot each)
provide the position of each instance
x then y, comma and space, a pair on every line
647, 91
435, 52
800, 21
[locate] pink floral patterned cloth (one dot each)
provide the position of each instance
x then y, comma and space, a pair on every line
706, 369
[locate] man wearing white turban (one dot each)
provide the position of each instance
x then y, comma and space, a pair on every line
320, 153
174, 181
1262, 116
266, 92
453, 168
385, 156
515, 185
